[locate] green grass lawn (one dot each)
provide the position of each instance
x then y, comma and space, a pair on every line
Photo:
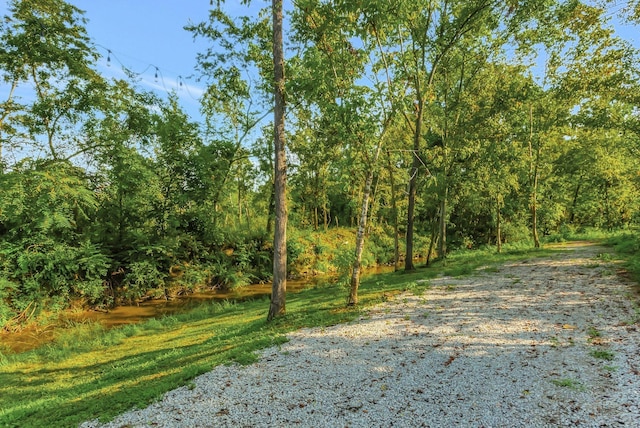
90, 372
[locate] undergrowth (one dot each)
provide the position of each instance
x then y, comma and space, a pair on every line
627, 246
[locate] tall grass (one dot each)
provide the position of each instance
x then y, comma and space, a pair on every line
572, 233
627, 246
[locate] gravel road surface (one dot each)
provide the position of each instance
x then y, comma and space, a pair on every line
539, 343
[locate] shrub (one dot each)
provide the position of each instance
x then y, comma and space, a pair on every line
51, 272
343, 261
515, 231
141, 276
227, 277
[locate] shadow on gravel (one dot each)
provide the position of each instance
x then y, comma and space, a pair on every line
507, 348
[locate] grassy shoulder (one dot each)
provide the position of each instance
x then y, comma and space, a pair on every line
89, 372
627, 247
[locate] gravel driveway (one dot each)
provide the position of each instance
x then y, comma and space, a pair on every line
546, 342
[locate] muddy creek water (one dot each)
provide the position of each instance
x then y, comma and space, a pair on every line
36, 336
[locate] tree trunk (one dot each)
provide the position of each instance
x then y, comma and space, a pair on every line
574, 203
272, 208
442, 244
533, 170
326, 216
279, 287
413, 183
372, 217
394, 209
432, 241
534, 206
316, 198
534, 220
498, 231
315, 217
355, 272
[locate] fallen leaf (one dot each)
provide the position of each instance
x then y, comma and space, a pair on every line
450, 360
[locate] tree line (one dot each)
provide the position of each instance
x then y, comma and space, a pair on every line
411, 126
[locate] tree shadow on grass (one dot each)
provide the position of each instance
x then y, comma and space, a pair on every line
42, 397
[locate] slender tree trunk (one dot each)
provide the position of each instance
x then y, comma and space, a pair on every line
326, 216
316, 193
498, 231
373, 205
434, 239
315, 217
279, 287
534, 206
413, 183
442, 244
355, 272
442, 226
271, 211
533, 169
394, 209
214, 215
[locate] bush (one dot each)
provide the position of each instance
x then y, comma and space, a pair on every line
51, 272
627, 244
228, 277
343, 261
141, 276
379, 248
190, 276
513, 232
298, 256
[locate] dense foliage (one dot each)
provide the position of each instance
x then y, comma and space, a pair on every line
438, 124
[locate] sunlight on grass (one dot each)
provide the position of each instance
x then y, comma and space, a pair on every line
90, 372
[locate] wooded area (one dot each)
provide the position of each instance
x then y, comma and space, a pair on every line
412, 127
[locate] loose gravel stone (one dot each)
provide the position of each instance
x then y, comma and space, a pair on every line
510, 348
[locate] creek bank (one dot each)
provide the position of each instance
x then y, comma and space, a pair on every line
35, 335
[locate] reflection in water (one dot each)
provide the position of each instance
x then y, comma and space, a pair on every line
33, 337
121, 315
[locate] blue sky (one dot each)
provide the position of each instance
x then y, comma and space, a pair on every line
145, 34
